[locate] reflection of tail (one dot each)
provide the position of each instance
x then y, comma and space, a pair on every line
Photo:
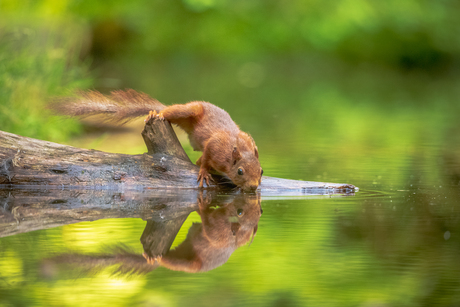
127, 261
120, 106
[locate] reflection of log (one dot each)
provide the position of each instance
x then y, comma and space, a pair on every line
24, 210
158, 236
29, 162
27, 210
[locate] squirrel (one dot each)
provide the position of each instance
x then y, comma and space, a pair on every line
210, 129
222, 230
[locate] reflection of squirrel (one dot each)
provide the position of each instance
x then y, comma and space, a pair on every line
225, 147
210, 243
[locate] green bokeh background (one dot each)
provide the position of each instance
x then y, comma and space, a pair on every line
355, 91
328, 61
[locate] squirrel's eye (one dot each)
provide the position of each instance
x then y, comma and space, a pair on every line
239, 212
240, 171
261, 172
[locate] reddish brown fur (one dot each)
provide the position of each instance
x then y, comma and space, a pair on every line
210, 244
211, 130
225, 147
120, 106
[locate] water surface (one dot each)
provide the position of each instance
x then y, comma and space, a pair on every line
394, 243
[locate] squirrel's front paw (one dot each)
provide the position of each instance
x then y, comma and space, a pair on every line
204, 200
203, 175
154, 114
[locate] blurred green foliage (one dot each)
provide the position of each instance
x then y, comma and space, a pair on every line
39, 59
47, 45
409, 34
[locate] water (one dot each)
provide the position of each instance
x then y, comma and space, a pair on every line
394, 243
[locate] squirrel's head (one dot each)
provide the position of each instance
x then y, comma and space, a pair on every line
232, 222
246, 172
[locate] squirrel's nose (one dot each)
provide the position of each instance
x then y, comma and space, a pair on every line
251, 188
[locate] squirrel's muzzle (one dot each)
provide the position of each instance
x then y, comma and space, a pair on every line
250, 188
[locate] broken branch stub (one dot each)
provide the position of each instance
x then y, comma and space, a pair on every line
160, 138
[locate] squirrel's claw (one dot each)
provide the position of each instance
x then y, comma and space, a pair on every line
151, 115
149, 259
203, 175
203, 201
157, 259
152, 260
154, 114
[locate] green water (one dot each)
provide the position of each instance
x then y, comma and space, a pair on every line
394, 243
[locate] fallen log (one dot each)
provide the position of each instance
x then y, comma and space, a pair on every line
31, 162
27, 162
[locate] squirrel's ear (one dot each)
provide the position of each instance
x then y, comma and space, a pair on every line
236, 155
256, 152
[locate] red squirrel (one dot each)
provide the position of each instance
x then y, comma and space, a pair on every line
210, 129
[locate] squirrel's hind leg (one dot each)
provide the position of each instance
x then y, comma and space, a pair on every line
178, 112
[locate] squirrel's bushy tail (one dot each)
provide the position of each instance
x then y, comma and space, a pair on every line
125, 262
120, 106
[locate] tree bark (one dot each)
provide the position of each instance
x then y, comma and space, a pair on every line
31, 162
24, 210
